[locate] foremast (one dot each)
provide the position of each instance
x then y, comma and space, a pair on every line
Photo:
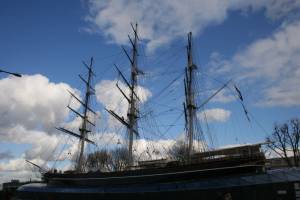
86, 122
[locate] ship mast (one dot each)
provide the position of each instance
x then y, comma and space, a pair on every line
189, 105
84, 128
133, 110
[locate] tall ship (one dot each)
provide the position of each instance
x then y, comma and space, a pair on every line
224, 173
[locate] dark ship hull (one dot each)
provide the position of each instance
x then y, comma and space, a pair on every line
170, 179
239, 183
171, 172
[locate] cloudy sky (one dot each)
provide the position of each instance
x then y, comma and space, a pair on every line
254, 43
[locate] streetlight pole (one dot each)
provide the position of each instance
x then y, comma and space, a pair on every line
11, 73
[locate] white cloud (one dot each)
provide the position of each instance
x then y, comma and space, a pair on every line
107, 139
285, 93
43, 145
271, 65
33, 101
274, 56
160, 21
152, 149
214, 115
276, 62
146, 149
30, 108
276, 9
163, 21
218, 64
18, 164
223, 96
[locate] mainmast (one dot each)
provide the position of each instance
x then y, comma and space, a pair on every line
84, 128
189, 105
133, 110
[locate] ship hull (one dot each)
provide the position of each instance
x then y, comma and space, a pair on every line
171, 173
280, 184
148, 176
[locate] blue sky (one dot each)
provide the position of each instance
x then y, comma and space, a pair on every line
252, 42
